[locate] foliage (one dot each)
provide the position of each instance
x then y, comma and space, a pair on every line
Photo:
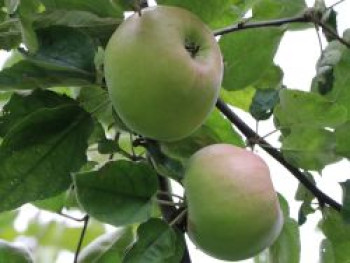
65, 151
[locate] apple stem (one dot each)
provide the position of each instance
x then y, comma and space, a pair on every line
170, 194
169, 203
178, 217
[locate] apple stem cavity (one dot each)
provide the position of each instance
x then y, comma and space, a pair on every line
192, 47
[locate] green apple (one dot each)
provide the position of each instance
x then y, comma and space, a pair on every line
233, 210
163, 70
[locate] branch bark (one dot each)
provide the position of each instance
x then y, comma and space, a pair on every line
170, 212
259, 24
252, 135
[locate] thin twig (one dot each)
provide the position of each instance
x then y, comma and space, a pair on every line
169, 213
331, 32
270, 23
335, 4
170, 194
178, 218
81, 239
71, 217
319, 40
169, 203
249, 133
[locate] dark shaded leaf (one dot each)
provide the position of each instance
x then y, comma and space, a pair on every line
119, 193
38, 154
93, 25
21, 105
65, 49
346, 201
25, 75
163, 164
157, 243
263, 103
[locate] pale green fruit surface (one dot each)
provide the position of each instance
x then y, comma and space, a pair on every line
233, 210
158, 87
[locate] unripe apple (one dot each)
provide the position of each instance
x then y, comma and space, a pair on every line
163, 70
233, 210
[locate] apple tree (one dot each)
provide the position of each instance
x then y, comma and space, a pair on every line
111, 115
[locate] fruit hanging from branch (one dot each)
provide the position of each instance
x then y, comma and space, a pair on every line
233, 210
163, 71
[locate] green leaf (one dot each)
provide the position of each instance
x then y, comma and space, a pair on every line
286, 248
91, 24
304, 195
239, 98
310, 149
163, 164
311, 110
326, 252
10, 34
346, 200
96, 100
119, 193
29, 37
340, 93
14, 254
157, 243
21, 106
54, 204
216, 129
65, 49
103, 8
337, 233
214, 13
248, 55
25, 75
38, 154
263, 103
342, 140
108, 248
324, 80
272, 9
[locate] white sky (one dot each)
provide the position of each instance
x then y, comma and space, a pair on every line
297, 56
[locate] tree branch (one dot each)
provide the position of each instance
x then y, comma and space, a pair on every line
271, 23
170, 212
81, 239
309, 16
252, 135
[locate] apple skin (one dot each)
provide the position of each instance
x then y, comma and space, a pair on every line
233, 210
160, 89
